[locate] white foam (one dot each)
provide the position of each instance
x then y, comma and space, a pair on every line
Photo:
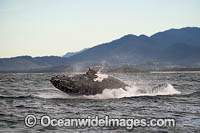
169, 90
100, 77
57, 94
131, 92
52, 95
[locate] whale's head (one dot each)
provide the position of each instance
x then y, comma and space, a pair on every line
63, 83
57, 79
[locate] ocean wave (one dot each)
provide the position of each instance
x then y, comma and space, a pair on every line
16, 97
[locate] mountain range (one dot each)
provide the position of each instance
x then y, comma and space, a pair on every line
173, 47
70, 54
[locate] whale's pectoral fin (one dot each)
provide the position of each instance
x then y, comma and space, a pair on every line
158, 88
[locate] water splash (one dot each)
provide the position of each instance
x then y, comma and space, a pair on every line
100, 77
133, 91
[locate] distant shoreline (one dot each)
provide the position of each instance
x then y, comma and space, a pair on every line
169, 72
152, 72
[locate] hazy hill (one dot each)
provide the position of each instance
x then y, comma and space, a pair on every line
180, 53
188, 35
27, 62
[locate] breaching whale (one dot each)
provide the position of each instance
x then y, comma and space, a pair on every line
92, 83
86, 84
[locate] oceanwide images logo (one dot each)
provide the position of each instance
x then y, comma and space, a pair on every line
128, 123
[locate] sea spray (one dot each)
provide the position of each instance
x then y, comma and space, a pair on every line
132, 91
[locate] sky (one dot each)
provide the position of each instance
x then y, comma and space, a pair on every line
55, 27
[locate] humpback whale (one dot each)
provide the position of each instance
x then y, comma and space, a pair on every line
90, 83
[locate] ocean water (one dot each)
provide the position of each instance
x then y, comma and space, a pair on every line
32, 93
